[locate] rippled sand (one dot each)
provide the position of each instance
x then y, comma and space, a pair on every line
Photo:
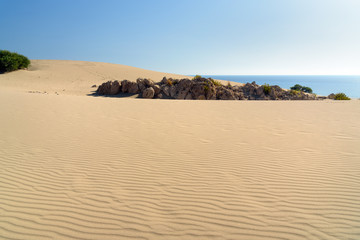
81, 167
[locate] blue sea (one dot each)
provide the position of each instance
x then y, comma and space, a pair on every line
321, 85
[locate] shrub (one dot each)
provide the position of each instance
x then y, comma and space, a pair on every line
197, 77
298, 87
267, 88
306, 89
10, 61
215, 82
169, 81
294, 92
341, 96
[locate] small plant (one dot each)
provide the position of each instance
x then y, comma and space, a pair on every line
10, 61
294, 92
169, 82
341, 96
298, 87
215, 82
197, 77
229, 84
267, 88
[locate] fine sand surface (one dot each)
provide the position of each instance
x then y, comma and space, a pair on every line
81, 167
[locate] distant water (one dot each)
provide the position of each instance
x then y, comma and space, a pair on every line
321, 85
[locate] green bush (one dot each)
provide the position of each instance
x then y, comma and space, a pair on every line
341, 96
10, 61
197, 77
267, 88
298, 87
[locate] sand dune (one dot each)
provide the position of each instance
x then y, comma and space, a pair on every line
82, 167
73, 77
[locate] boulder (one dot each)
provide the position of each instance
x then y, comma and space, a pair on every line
133, 88
331, 96
109, 88
141, 84
125, 86
149, 82
188, 96
197, 90
225, 94
164, 81
148, 93
183, 88
172, 91
157, 89
166, 90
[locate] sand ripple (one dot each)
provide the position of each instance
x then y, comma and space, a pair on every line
99, 168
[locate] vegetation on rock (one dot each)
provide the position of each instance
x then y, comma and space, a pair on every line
267, 88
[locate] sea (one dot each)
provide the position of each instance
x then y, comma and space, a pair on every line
320, 84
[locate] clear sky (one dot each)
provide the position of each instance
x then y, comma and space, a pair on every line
190, 36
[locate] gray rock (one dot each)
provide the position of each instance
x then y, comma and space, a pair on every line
183, 88
133, 88
148, 93
125, 86
149, 82
197, 90
141, 84
109, 88
331, 96
157, 89
172, 91
166, 90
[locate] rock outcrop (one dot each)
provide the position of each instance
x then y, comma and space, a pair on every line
201, 89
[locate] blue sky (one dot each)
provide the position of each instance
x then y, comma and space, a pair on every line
190, 36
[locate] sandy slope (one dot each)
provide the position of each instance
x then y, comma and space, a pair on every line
82, 167
73, 77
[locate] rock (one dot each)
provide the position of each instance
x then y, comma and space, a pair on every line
157, 89
104, 88
125, 86
275, 92
197, 90
148, 93
149, 82
172, 91
109, 88
188, 96
182, 88
166, 90
133, 88
331, 96
141, 84
164, 81
93, 86
225, 94
259, 91
201, 97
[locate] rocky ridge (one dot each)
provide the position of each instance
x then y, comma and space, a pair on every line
200, 89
